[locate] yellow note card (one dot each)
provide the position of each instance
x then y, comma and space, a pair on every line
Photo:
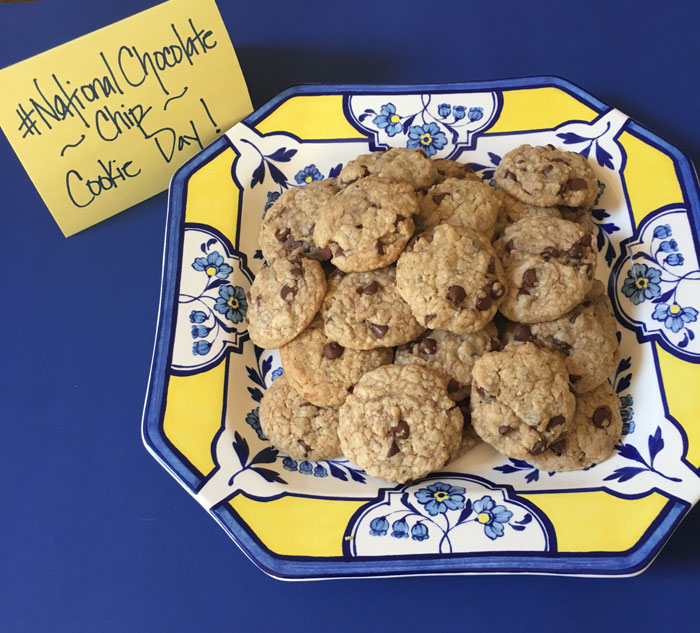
102, 122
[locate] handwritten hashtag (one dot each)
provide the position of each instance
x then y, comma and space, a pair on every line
27, 121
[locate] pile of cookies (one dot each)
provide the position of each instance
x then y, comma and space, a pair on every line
418, 309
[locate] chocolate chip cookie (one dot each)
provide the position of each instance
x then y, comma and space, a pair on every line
397, 164
297, 427
283, 300
324, 371
452, 279
367, 224
591, 436
465, 202
521, 401
450, 354
288, 227
399, 423
546, 176
447, 168
513, 210
549, 266
365, 311
585, 339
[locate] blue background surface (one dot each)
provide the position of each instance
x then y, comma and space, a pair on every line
95, 536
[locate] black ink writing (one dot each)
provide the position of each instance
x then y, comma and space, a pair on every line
83, 192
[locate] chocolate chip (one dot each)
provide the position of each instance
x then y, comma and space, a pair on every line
427, 346
483, 304
393, 449
369, 289
452, 386
479, 390
602, 417
339, 252
365, 171
549, 252
311, 230
399, 218
550, 146
492, 266
576, 184
378, 330
504, 430
561, 346
333, 350
509, 246
292, 244
305, 446
558, 447
495, 345
576, 251
337, 274
456, 294
529, 278
557, 160
538, 448
574, 314
282, 233
379, 246
547, 169
439, 197
324, 254
556, 421
497, 290
287, 291
306, 403
522, 291
358, 226
522, 333
421, 151
297, 272
401, 431
351, 388
429, 318
574, 378
511, 175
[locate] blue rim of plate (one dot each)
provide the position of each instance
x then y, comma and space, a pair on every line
627, 563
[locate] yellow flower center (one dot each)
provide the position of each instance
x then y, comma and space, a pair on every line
483, 517
674, 309
395, 118
641, 283
426, 139
441, 495
211, 271
308, 179
233, 302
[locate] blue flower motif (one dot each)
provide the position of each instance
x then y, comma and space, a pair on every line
388, 120
271, 199
320, 471
491, 516
253, 419
289, 463
642, 283
276, 374
628, 427
444, 110
200, 348
626, 414
428, 137
213, 264
197, 316
673, 316
475, 114
662, 231
308, 174
232, 303
626, 401
419, 532
668, 246
199, 331
674, 259
378, 526
399, 529
438, 498
306, 468
459, 112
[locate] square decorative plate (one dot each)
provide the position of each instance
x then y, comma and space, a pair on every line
485, 513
